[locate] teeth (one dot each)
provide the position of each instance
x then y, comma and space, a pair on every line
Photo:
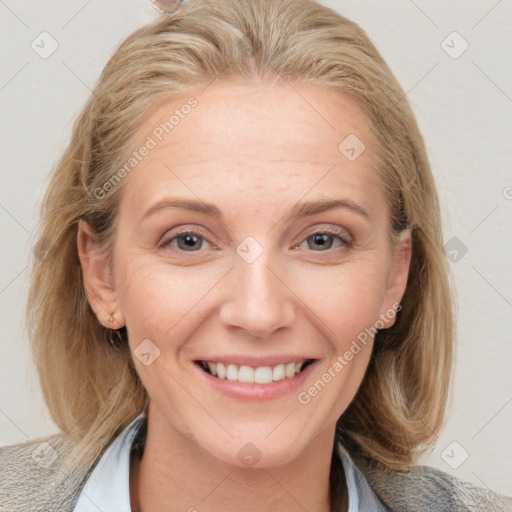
221, 371
249, 375
232, 372
246, 374
263, 375
278, 372
213, 368
289, 370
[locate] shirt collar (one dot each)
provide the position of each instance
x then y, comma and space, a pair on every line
361, 497
108, 486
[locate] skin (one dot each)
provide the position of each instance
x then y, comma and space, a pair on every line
253, 150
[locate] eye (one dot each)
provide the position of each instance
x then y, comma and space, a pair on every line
187, 241
325, 239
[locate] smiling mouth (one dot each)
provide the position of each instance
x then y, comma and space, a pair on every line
254, 375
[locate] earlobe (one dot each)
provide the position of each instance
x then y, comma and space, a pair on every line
397, 278
98, 277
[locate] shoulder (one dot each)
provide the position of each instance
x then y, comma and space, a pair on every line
427, 488
31, 476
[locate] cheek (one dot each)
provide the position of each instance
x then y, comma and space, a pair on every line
155, 297
346, 298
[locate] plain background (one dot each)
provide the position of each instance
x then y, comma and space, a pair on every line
463, 101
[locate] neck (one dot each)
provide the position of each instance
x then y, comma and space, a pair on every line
171, 477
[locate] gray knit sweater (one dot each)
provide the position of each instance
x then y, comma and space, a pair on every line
28, 483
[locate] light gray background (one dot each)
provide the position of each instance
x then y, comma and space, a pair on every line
464, 107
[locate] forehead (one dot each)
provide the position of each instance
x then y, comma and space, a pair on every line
257, 137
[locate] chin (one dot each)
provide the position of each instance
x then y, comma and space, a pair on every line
250, 450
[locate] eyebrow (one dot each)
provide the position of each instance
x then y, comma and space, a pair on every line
299, 210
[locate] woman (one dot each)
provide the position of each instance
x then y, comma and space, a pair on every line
242, 301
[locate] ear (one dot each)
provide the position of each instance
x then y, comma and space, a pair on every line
396, 280
98, 277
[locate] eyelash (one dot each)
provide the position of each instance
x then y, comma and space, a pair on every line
341, 234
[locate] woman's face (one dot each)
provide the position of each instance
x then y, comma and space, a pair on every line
238, 273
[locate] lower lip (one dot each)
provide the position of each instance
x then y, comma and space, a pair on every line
257, 392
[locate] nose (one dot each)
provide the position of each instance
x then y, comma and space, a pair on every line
259, 299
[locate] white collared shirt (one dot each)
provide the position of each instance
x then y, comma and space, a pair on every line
108, 487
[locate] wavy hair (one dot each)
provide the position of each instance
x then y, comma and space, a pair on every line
90, 386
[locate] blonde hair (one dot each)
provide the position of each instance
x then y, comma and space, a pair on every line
90, 387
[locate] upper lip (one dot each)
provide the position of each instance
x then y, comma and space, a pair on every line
256, 361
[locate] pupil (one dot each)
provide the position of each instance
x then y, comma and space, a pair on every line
321, 240
189, 240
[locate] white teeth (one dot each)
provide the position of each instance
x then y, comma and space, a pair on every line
289, 370
221, 371
278, 373
263, 375
248, 375
232, 372
213, 368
